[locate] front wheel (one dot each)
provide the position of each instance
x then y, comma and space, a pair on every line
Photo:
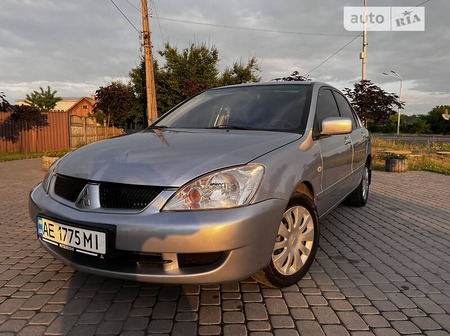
295, 245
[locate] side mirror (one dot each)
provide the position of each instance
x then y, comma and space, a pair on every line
336, 125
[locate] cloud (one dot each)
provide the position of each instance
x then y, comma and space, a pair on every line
77, 46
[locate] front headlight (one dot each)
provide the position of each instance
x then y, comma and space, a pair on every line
227, 188
49, 175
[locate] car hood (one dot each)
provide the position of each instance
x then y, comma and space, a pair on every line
169, 158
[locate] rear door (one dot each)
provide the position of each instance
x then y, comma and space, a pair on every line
358, 137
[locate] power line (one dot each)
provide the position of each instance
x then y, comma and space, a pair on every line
423, 3
342, 48
139, 32
133, 6
250, 29
334, 54
223, 26
232, 27
159, 23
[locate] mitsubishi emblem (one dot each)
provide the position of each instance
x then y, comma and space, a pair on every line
88, 198
85, 197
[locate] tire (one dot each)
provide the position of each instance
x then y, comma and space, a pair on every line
295, 246
359, 196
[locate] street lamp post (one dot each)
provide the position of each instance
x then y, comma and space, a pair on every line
396, 75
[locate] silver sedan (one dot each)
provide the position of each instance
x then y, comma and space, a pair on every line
230, 184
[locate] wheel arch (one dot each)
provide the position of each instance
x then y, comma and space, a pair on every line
306, 188
369, 164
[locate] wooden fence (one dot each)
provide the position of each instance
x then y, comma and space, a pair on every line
84, 130
50, 133
55, 130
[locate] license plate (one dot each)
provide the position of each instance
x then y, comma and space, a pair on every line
72, 238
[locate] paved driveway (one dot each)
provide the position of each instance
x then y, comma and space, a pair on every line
380, 270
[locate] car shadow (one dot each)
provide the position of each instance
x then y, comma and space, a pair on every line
89, 305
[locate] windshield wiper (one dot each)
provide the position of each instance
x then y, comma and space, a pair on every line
236, 127
157, 127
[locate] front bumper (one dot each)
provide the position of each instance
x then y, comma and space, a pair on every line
150, 245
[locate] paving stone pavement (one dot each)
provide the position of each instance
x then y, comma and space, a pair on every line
381, 270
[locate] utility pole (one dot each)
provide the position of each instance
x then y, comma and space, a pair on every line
364, 52
152, 113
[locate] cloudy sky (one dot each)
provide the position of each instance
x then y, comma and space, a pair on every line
75, 46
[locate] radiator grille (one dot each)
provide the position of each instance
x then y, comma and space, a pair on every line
69, 188
112, 195
127, 196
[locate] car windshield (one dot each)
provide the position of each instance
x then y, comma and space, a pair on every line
261, 107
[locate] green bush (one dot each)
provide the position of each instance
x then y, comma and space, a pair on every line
19, 156
393, 156
57, 153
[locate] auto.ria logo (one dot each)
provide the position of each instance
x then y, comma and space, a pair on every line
385, 18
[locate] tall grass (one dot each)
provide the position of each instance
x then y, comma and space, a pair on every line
423, 154
403, 145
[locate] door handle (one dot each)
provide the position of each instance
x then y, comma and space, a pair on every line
347, 142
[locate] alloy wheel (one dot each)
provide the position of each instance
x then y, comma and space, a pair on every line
294, 241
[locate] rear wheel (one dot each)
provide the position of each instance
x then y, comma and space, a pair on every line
295, 245
360, 195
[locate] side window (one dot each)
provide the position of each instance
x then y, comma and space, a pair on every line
345, 109
326, 107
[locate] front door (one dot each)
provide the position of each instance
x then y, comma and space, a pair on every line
337, 156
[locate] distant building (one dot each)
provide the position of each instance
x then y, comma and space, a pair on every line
82, 107
75, 106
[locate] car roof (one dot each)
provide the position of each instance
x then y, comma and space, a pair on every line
274, 83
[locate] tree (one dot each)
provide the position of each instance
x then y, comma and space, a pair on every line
167, 93
113, 104
44, 100
139, 91
420, 126
5, 106
371, 102
241, 73
30, 116
295, 76
187, 72
438, 124
25, 113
